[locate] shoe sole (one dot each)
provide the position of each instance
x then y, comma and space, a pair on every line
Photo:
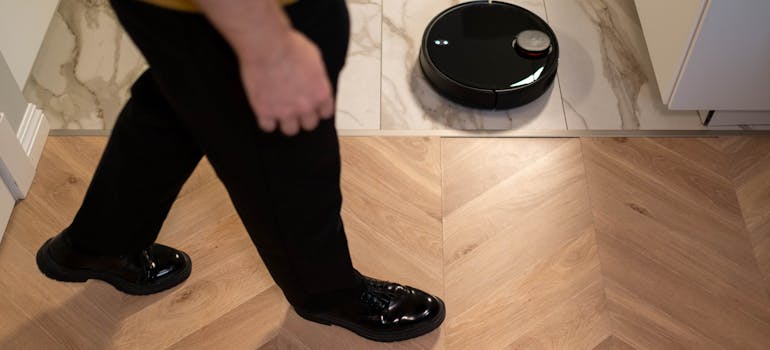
383, 336
55, 271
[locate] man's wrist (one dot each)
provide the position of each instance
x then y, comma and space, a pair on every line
257, 30
258, 51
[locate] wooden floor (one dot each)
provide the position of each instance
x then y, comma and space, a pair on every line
533, 244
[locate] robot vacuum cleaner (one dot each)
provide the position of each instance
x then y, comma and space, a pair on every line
489, 55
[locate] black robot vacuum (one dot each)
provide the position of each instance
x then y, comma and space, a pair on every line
489, 54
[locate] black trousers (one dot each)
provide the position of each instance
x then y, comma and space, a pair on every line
191, 103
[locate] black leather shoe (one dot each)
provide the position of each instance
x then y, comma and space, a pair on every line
384, 312
151, 270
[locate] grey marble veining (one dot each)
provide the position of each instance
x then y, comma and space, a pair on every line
621, 67
607, 81
85, 67
87, 64
358, 97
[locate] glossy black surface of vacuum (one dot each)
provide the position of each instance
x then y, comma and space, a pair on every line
489, 55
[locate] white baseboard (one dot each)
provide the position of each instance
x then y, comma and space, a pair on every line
20, 150
33, 132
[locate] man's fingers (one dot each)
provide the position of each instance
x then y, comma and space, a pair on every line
267, 124
290, 126
309, 121
326, 108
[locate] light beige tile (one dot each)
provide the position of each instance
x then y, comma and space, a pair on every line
606, 76
85, 67
358, 98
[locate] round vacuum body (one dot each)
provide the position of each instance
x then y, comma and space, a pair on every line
490, 55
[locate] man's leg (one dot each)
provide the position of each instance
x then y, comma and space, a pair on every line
285, 189
147, 160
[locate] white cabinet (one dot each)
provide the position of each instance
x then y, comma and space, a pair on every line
669, 27
710, 54
23, 131
23, 24
23, 128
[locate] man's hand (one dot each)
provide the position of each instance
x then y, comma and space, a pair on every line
282, 71
289, 88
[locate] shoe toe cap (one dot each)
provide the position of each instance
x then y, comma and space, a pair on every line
414, 307
166, 261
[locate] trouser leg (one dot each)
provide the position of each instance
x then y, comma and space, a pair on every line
147, 160
285, 189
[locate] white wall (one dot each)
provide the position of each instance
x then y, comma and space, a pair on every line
23, 24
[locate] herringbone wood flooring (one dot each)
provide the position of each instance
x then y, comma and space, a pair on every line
533, 244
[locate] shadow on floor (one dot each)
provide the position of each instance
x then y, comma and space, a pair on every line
89, 319
297, 333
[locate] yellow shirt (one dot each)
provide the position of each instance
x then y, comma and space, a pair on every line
191, 6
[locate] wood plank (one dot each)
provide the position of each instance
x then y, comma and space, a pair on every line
613, 343
750, 165
547, 244
392, 213
499, 160
392, 209
674, 250
520, 250
19, 331
249, 326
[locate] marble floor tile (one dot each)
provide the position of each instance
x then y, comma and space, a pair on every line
83, 74
85, 68
607, 81
408, 102
358, 96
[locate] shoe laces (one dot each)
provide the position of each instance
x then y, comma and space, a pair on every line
378, 294
376, 301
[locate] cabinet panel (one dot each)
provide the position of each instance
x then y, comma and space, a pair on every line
727, 67
12, 102
668, 28
23, 24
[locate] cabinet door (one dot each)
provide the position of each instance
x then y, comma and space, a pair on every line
16, 167
669, 27
726, 68
23, 24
